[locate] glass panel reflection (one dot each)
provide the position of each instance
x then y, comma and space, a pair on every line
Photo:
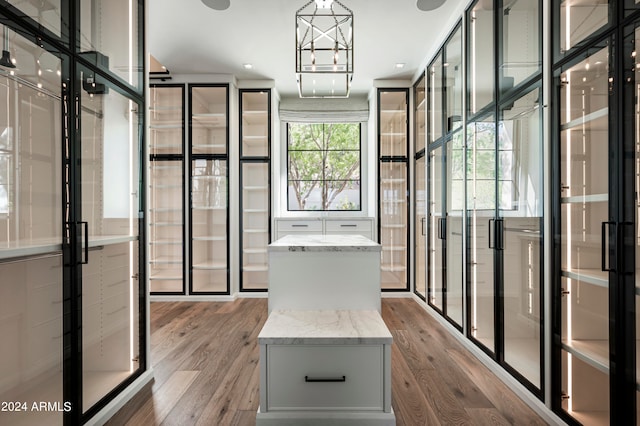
209, 225
435, 111
44, 12
579, 19
393, 224
31, 263
420, 229
110, 180
520, 195
584, 174
521, 23
110, 37
481, 204
420, 117
436, 229
455, 212
393, 123
480, 66
453, 80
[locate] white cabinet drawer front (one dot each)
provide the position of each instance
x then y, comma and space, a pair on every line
299, 225
361, 366
347, 226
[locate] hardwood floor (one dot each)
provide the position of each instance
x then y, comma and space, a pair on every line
205, 362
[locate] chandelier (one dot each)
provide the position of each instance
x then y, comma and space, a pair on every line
324, 49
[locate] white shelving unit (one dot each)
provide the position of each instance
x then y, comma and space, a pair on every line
584, 205
166, 190
393, 186
209, 185
255, 168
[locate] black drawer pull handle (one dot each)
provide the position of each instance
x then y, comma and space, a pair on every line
348, 225
325, 380
299, 226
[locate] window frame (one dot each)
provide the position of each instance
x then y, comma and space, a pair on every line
288, 209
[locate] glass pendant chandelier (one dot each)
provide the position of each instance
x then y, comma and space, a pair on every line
324, 49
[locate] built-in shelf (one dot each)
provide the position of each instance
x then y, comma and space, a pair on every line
393, 268
587, 118
593, 198
593, 352
206, 238
591, 276
166, 274
210, 264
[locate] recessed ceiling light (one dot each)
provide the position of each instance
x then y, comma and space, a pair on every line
247, 66
400, 65
427, 5
217, 4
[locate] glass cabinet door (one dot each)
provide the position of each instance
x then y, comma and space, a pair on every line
435, 111
255, 169
31, 251
166, 189
520, 197
436, 229
420, 190
255, 225
393, 196
481, 56
579, 19
393, 123
209, 119
454, 199
420, 229
166, 241
584, 200
393, 224
166, 120
209, 228
420, 118
110, 179
481, 208
209, 200
255, 124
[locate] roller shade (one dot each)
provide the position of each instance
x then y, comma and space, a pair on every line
308, 110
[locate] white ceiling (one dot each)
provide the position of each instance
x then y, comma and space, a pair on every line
190, 38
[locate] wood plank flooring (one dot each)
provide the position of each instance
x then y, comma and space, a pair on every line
205, 362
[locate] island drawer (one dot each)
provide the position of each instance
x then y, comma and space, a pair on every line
327, 377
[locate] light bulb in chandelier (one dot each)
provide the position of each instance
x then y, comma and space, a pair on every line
313, 57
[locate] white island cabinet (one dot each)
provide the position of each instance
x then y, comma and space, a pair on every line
325, 367
311, 272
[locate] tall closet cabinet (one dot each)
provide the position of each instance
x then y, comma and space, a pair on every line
72, 233
393, 188
596, 208
255, 177
188, 189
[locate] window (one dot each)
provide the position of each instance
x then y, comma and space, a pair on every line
323, 166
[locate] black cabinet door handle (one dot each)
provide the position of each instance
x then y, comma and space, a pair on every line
325, 379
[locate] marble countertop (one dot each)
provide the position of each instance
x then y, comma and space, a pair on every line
326, 327
324, 243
